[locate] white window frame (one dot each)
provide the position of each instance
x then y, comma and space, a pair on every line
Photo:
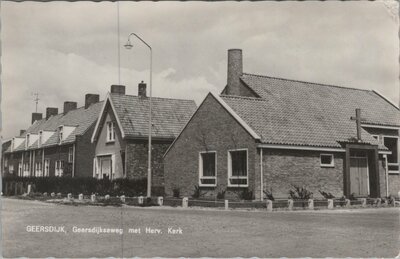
5, 162
398, 154
46, 167
230, 169
59, 168
11, 169
110, 131
70, 155
20, 169
201, 169
26, 169
38, 169
332, 164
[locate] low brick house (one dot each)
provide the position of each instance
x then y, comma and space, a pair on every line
265, 134
57, 145
121, 134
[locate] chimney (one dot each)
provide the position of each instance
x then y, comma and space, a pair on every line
22, 132
91, 99
235, 71
117, 89
36, 116
51, 111
142, 89
69, 106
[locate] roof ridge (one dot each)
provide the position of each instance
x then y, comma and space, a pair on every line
154, 97
307, 82
243, 97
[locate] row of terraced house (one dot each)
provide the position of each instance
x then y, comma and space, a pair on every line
261, 133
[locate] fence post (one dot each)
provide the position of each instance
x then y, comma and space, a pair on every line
93, 197
140, 200
122, 198
45, 194
52, 194
378, 202
290, 204
15, 188
226, 204
185, 202
80, 197
107, 197
330, 204
347, 203
310, 204
29, 189
269, 205
393, 201
59, 194
363, 202
69, 196
160, 200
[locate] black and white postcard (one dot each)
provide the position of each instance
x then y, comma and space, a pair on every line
200, 129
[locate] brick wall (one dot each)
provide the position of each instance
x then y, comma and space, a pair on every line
394, 184
285, 167
137, 160
84, 154
212, 128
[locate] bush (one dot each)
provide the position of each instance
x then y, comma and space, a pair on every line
197, 192
245, 194
85, 185
327, 195
221, 195
269, 195
300, 193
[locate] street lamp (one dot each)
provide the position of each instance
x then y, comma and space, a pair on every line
129, 45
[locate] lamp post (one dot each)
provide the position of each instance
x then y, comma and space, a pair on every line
129, 45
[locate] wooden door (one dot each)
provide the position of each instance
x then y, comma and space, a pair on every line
359, 178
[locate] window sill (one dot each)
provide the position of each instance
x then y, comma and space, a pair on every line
393, 172
327, 166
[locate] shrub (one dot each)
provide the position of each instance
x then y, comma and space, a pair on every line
327, 195
197, 192
300, 193
176, 192
221, 195
269, 195
245, 194
85, 185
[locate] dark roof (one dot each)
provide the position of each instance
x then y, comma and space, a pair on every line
301, 113
80, 118
168, 115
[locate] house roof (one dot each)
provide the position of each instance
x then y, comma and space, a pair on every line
132, 112
293, 112
80, 118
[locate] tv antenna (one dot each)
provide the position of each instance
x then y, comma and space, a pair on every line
36, 99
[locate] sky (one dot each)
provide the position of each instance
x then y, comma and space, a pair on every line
64, 50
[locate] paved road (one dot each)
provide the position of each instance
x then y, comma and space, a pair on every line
209, 233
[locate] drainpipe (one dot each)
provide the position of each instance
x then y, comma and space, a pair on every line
43, 168
73, 160
261, 175
386, 175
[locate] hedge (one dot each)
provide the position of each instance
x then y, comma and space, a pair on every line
87, 185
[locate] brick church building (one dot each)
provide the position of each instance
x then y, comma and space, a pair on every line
266, 134
120, 137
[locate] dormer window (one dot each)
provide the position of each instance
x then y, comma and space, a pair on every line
27, 141
110, 131
40, 139
60, 134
